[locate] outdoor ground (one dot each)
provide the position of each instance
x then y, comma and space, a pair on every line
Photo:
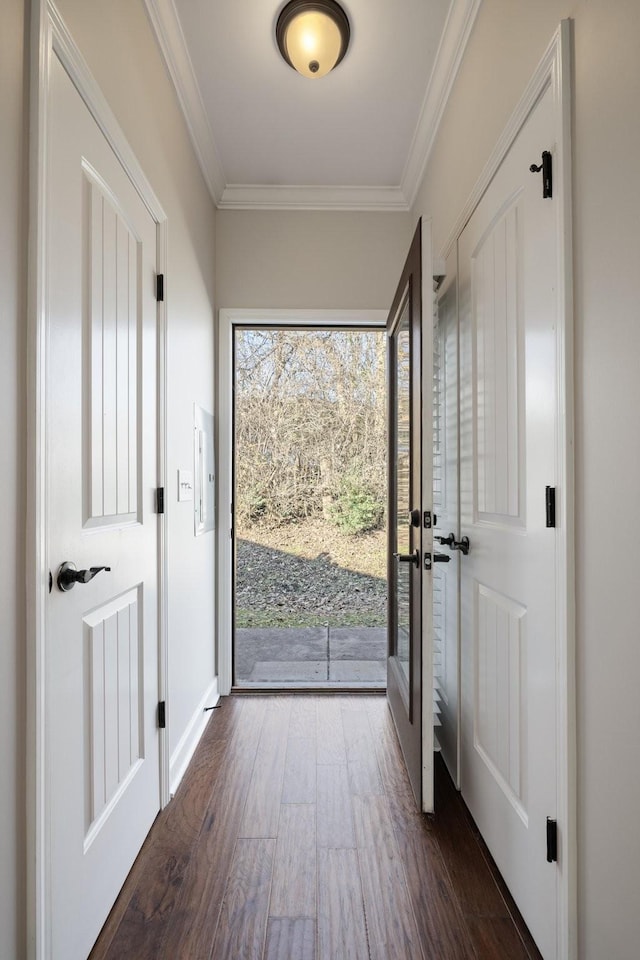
310, 574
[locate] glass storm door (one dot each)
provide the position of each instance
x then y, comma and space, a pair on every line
406, 563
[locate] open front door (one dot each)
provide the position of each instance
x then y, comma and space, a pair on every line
410, 656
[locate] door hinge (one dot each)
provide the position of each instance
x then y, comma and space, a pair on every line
550, 500
162, 714
160, 500
552, 840
547, 174
160, 287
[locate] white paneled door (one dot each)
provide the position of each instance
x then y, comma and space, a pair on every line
508, 282
101, 685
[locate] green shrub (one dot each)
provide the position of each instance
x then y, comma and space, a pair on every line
355, 508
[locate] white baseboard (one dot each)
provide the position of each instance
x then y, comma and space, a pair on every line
189, 740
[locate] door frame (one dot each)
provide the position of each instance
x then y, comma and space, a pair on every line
228, 319
554, 72
50, 38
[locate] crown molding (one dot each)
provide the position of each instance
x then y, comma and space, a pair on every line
265, 197
166, 25
460, 20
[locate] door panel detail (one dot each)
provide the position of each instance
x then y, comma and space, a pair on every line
111, 360
113, 696
498, 364
500, 702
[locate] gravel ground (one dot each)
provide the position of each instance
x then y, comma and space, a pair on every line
300, 577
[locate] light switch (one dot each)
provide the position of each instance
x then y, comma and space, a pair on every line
185, 484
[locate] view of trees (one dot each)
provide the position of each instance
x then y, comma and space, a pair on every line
310, 409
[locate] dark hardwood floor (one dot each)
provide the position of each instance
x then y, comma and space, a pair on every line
294, 836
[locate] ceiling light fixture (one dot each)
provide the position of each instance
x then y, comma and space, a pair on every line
313, 36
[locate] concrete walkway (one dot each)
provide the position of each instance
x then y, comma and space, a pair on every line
311, 656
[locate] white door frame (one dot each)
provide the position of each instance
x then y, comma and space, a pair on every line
50, 38
554, 71
228, 319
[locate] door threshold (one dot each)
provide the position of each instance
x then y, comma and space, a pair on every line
309, 689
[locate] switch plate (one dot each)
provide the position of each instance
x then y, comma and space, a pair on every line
203, 471
185, 484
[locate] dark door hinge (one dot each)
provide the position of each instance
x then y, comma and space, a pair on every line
160, 500
547, 173
162, 715
160, 287
550, 501
552, 840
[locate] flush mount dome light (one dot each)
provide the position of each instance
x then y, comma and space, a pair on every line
313, 36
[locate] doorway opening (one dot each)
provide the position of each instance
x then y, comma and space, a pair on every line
309, 507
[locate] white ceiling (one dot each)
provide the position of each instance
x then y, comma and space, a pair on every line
358, 138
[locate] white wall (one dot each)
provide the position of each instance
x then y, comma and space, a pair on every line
317, 260
507, 42
117, 41
353, 260
12, 479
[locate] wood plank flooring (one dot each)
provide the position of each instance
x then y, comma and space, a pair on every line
294, 836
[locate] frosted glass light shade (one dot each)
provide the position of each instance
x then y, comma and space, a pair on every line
313, 36
313, 44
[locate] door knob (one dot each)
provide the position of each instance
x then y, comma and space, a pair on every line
446, 541
68, 575
462, 545
451, 542
409, 557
